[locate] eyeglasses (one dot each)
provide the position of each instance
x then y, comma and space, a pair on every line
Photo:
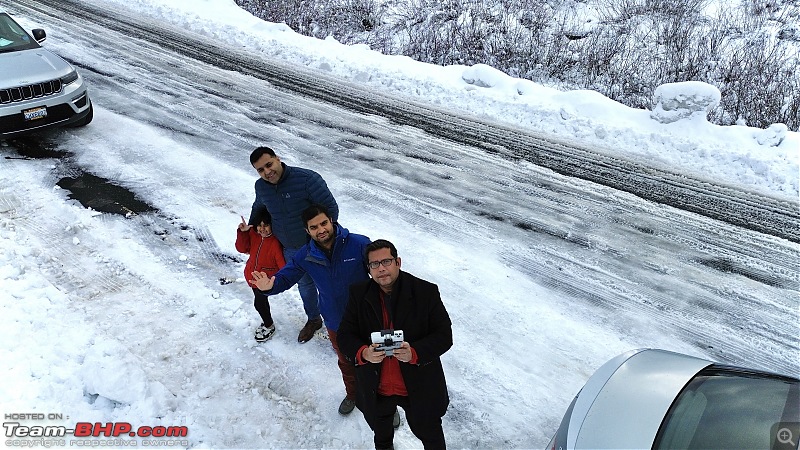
384, 262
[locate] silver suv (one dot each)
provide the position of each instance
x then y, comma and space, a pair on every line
38, 89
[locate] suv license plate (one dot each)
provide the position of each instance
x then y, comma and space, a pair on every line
35, 113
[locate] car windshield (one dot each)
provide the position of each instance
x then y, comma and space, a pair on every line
13, 37
723, 407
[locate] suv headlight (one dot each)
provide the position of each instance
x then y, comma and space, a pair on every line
72, 76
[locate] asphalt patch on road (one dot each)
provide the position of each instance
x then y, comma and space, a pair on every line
102, 195
35, 147
97, 193
105, 196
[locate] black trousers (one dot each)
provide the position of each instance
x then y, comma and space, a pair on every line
426, 427
261, 302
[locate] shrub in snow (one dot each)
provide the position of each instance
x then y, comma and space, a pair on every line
772, 136
790, 32
675, 101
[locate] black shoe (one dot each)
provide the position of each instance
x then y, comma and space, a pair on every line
264, 333
347, 406
308, 330
396, 420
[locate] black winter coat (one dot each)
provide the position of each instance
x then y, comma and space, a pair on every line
420, 313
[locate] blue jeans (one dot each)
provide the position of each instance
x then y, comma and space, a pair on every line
307, 288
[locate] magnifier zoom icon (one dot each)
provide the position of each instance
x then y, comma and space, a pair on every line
785, 436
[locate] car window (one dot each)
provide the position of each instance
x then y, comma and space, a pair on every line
729, 408
13, 37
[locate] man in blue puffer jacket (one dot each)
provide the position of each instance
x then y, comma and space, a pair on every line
334, 258
286, 191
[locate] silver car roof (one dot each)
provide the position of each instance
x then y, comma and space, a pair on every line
624, 402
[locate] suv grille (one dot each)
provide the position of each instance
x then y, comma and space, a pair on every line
21, 93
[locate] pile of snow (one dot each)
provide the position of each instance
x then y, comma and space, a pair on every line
676, 101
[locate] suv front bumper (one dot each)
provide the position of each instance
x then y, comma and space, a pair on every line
64, 108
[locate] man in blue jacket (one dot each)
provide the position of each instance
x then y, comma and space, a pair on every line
334, 258
285, 192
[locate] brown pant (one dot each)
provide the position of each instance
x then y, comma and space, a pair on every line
348, 370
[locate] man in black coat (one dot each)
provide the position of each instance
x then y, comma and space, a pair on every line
412, 377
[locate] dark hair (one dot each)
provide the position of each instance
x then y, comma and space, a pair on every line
261, 215
259, 152
379, 244
313, 211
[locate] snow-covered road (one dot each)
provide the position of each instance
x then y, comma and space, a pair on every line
544, 276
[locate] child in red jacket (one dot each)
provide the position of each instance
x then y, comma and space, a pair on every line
266, 255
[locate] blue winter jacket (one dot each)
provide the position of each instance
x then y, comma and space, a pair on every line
333, 277
297, 189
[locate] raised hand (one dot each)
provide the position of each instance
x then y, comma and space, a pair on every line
244, 226
262, 281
